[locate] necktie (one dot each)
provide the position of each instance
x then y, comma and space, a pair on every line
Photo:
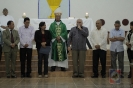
12, 39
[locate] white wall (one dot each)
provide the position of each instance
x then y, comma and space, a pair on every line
18, 7
109, 10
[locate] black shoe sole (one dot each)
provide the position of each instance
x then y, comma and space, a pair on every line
75, 76
8, 76
94, 76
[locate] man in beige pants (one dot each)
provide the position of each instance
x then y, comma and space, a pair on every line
77, 38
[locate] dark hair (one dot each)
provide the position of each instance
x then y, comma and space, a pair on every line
9, 22
131, 23
25, 19
117, 22
5, 9
41, 24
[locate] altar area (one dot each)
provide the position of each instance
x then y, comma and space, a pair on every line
69, 23
88, 63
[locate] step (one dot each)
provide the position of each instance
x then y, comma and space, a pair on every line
70, 68
52, 74
35, 62
34, 74
35, 57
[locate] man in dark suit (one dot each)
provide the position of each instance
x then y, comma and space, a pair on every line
10, 48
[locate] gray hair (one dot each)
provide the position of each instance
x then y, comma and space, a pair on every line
117, 22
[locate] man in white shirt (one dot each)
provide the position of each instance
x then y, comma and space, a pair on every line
4, 19
26, 34
98, 38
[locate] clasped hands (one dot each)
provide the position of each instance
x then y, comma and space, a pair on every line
26, 45
13, 45
128, 45
58, 39
97, 46
43, 44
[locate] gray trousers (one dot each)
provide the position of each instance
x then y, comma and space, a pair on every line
78, 58
120, 60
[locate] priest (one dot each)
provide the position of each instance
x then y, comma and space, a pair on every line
4, 19
58, 54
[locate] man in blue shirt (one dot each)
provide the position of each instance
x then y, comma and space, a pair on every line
117, 37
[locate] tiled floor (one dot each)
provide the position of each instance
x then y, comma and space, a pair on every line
62, 82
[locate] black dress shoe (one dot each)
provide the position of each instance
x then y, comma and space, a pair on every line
75, 76
29, 76
121, 76
94, 76
81, 76
103, 76
63, 69
13, 76
8, 76
129, 76
22, 76
53, 68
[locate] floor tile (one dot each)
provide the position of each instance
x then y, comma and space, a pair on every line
45, 86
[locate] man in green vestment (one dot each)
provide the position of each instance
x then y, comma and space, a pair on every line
58, 54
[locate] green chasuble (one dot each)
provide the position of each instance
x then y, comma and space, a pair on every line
58, 48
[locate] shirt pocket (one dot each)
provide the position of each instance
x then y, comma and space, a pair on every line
120, 35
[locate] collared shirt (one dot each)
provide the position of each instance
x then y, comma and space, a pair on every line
99, 37
26, 36
58, 23
77, 38
4, 19
117, 46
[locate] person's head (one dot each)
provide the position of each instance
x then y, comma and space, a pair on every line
5, 11
42, 26
98, 24
80, 22
10, 25
117, 24
26, 22
57, 17
131, 25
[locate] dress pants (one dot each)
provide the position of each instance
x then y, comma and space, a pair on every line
0, 52
99, 54
10, 56
120, 60
130, 57
40, 59
25, 54
78, 58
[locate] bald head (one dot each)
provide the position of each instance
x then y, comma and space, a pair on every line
98, 24
79, 22
5, 11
